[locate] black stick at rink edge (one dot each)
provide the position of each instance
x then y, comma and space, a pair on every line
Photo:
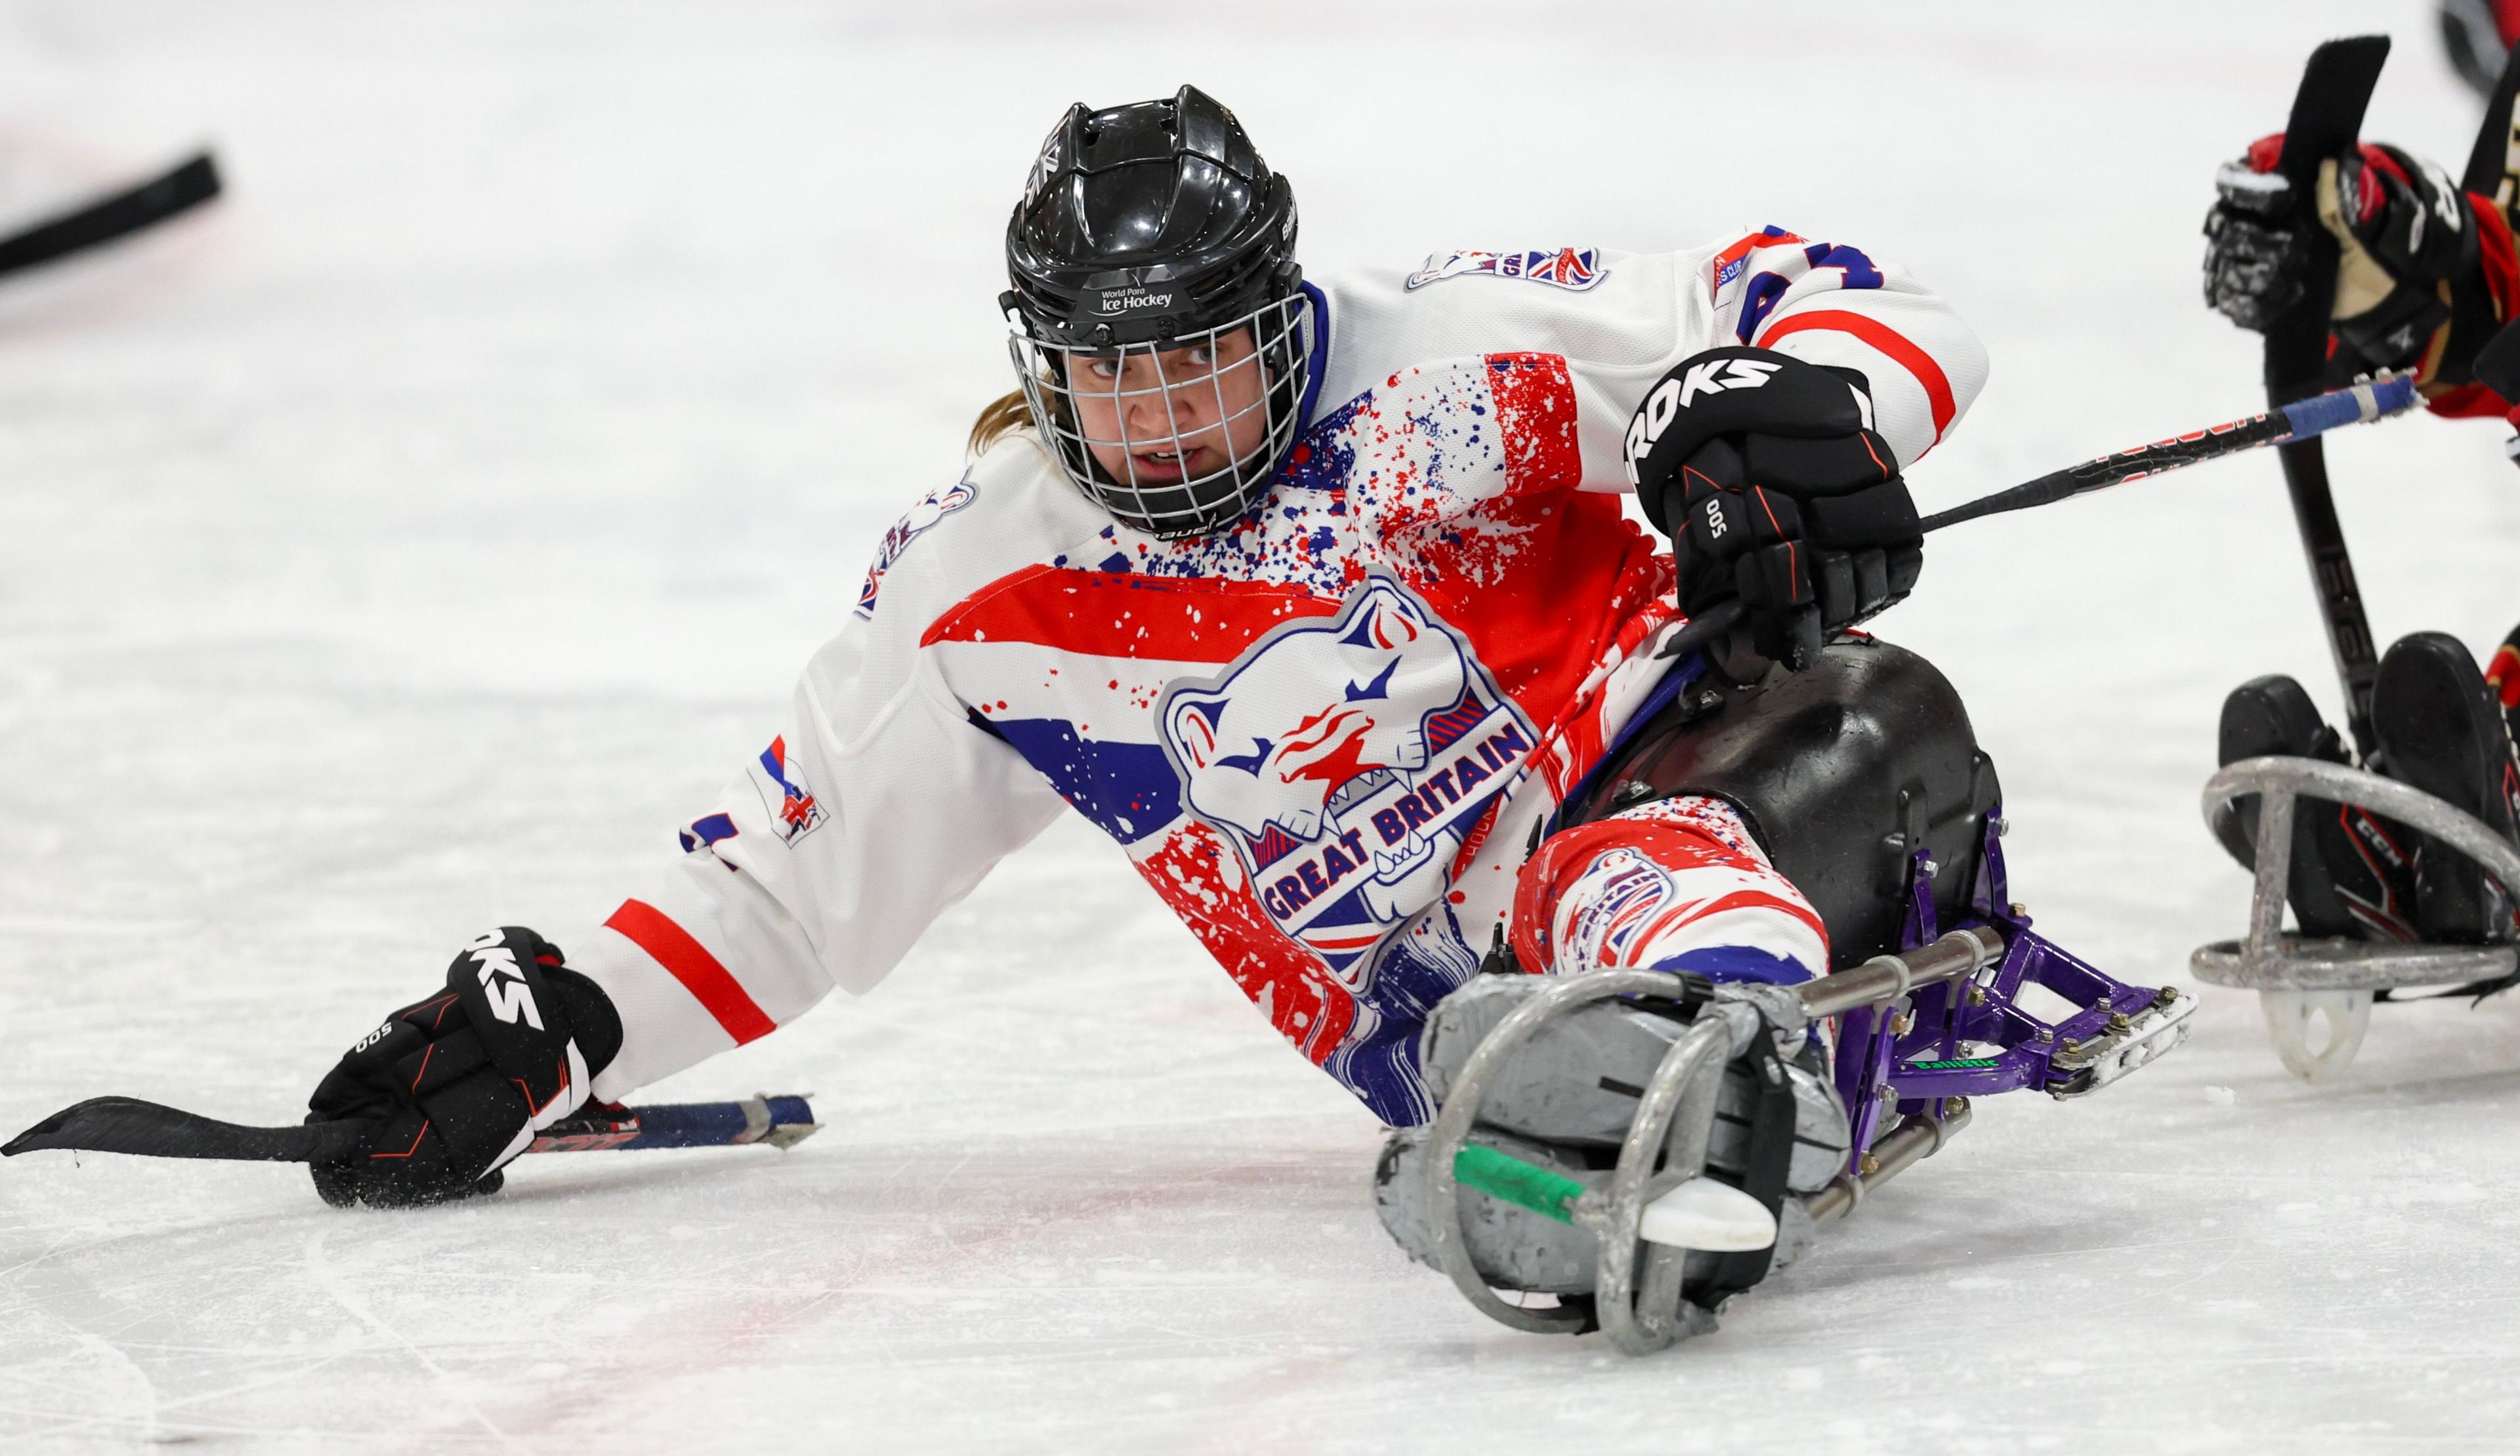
187, 185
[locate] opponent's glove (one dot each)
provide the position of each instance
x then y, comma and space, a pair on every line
1774, 487
2408, 258
455, 1085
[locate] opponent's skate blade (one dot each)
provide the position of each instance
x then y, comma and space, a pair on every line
1703, 1213
2290, 1014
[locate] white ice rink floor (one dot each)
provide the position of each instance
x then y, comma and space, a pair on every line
408, 544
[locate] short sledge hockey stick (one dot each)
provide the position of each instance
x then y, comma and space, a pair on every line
147, 1129
2303, 420
2286, 424
189, 185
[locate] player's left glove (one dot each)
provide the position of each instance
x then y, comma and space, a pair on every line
1766, 475
452, 1086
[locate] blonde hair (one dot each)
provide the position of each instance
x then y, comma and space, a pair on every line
1003, 416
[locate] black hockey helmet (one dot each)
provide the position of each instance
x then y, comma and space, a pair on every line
1154, 232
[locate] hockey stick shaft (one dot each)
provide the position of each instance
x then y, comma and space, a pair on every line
187, 185
149, 1129
2326, 116
2303, 420
779, 1121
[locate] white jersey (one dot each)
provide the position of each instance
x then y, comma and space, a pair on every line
1325, 736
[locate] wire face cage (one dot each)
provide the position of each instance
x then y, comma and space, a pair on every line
1179, 437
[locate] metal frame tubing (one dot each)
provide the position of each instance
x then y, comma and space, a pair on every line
1685, 1086
1451, 1130
2269, 959
1886, 978
1683, 1091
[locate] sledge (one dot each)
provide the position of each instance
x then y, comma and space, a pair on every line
2303, 981
1921, 1034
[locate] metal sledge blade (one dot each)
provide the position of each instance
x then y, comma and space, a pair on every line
127, 1124
2102, 1059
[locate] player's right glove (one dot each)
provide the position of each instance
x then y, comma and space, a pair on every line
455, 1085
2410, 258
1775, 489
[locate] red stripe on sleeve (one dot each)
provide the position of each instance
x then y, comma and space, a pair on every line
1741, 247
709, 983
1889, 341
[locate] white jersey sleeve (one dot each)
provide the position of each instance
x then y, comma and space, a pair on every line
876, 806
1622, 320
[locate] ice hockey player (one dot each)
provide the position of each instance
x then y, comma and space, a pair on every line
1315, 596
2427, 274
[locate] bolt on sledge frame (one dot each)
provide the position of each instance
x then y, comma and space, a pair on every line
2301, 979
1923, 1028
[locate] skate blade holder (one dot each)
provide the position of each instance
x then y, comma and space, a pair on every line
1642, 1319
2302, 979
2100, 1060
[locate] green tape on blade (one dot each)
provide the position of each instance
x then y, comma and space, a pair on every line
1528, 1185
1964, 1064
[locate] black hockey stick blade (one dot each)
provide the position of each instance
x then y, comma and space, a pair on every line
189, 185
127, 1124
2326, 118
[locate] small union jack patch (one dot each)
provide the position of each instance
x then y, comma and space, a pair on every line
798, 813
1572, 268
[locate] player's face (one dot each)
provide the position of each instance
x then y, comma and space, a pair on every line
1155, 420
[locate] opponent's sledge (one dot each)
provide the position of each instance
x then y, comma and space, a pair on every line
1643, 1145
2304, 981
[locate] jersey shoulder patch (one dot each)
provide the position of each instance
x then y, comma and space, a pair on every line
1575, 269
933, 508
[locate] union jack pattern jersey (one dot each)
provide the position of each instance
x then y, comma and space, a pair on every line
1325, 736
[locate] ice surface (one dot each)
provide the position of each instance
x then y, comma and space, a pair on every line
410, 545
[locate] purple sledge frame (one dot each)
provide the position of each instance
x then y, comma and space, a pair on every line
1878, 1046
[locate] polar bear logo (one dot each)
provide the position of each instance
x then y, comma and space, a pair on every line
1313, 707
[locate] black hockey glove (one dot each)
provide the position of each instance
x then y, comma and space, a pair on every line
1765, 472
456, 1084
2406, 237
